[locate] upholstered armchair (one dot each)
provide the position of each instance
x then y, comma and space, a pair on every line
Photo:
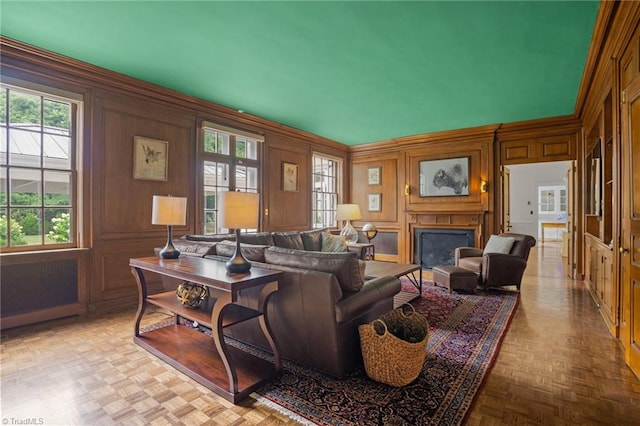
501, 263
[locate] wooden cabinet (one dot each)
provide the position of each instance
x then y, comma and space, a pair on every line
599, 280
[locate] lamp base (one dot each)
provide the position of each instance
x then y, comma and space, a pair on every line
238, 264
169, 251
349, 233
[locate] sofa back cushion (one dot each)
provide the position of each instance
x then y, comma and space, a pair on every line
312, 240
257, 238
292, 240
343, 265
209, 238
252, 252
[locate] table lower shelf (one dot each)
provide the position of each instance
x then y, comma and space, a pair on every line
194, 353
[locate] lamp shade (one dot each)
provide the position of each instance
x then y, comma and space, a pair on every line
238, 210
169, 210
348, 212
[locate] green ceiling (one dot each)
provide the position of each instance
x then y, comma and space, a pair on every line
355, 72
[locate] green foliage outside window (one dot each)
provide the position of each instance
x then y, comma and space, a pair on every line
60, 232
17, 236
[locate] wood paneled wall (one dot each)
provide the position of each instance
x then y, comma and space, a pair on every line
115, 208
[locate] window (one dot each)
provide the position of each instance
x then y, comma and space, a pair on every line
230, 161
552, 200
326, 181
37, 169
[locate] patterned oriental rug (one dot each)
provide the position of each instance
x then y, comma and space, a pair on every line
465, 333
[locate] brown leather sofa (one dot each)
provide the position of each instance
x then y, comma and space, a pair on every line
320, 302
497, 269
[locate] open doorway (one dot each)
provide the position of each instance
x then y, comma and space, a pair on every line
538, 203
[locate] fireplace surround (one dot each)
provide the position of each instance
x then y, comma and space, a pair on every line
435, 246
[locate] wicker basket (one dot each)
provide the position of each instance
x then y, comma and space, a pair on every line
388, 358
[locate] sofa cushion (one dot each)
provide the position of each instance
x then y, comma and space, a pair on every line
210, 238
291, 240
497, 244
333, 243
312, 240
343, 265
195, 248
258, 238
252, 252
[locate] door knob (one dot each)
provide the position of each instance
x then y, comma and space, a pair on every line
623, 250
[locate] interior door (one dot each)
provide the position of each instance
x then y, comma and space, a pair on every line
630, 229
571, 231
506, 201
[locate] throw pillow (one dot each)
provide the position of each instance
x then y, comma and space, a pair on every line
333, 243
497, 244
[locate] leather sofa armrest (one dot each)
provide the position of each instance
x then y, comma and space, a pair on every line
502, 269
373, 291
461, 252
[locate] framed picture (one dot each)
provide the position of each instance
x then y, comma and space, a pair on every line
374, 175
374, 202
150, 158
289, 177
442, 178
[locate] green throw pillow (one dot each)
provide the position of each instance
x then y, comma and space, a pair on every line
333, 243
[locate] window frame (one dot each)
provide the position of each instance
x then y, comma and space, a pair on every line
232, 161
75, 102
339, 176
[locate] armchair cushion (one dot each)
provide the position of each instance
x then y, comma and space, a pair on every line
497, 244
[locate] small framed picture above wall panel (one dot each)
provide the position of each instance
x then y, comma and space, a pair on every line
150, 158
373, 175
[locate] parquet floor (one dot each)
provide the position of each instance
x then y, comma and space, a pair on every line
558, 366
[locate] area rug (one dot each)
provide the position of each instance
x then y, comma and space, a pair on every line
465, 333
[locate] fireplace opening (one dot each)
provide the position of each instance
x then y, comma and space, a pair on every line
436, 246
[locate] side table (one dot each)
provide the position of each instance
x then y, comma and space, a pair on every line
228, 371
366, 251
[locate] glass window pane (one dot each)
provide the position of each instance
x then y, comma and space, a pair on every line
57, 188
57, 151
210, 222
29, 224
216, 142
3, 186
252, 178
24, 110
25, 148
252, 149
3, 145
3, 106
241, 148
57, 226
57, 117
25, 187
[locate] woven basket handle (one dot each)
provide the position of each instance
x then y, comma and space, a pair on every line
401, 308
383, 324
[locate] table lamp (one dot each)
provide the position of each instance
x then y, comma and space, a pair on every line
168, 210
238, 210
348, 212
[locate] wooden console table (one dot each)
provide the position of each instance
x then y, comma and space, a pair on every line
544, 225
226, 370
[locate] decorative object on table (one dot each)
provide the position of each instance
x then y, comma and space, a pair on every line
373, 175
370, 231
394, 346
169, 211
348, 212
374, 202
190, 294
238, 210
446, 177
150, 158
289, 177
